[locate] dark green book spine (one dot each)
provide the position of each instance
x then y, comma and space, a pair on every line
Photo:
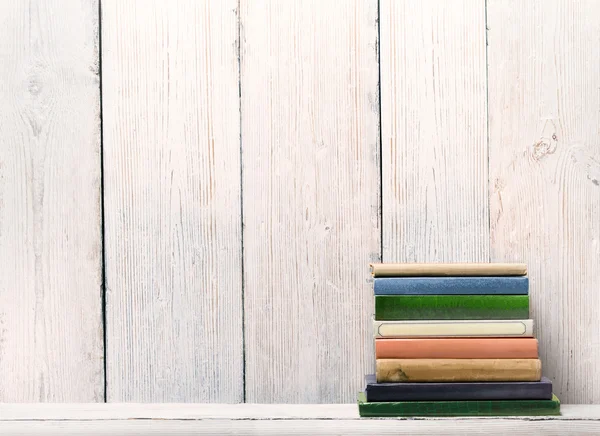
459, 408
419, 307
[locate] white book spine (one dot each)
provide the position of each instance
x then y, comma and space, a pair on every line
456, 328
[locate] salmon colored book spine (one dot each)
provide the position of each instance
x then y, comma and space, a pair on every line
457, 348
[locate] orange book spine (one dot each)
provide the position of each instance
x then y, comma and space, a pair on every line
457, 348
457, 370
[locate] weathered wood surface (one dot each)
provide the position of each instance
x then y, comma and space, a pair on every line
311, 186
194, 411
301, 427
172, 199
311, 196
434, 131
51, 340
544, 99
330, 419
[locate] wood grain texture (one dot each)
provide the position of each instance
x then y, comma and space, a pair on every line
311, 196
367, 426
172, 198
433, 128
253, 412
277, 419
51, 346
545, 174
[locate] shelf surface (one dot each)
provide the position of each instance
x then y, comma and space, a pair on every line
290, 419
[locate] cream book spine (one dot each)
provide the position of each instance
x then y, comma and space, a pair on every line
455, 328
447, 269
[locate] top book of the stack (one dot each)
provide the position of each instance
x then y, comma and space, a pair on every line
447, 269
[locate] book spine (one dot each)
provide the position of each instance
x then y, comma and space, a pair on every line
457, 370
459, 408
451, 286
457, 328
447, 269
467, 391
457, 348
442, 307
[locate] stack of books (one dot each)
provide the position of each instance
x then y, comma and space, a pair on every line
455, 340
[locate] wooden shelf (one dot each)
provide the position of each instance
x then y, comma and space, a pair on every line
269, 419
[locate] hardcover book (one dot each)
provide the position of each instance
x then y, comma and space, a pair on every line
459, 408
447, 269
440, 307
457, 370
456, 328
457, 348
518, 285
465, 391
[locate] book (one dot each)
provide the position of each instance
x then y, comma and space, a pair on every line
440, 307
459, 408
457, 370
451, 285
466, 391
457, 348
447, 269
455, 328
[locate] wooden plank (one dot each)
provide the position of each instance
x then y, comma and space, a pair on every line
301, 427
106, 411
311, 196
244, 411
172, 198
51, 340
433, 128
106, 419
545, 175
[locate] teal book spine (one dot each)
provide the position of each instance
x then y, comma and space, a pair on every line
459, 408
447, 307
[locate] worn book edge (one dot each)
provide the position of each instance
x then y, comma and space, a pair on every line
457, 370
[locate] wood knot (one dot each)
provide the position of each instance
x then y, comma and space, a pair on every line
499, 185
34, 87
544, 147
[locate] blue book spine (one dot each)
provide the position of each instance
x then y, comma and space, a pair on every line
518, 285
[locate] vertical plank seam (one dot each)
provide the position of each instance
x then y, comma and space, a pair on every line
102, 209
239, 55
378, 46
487, 128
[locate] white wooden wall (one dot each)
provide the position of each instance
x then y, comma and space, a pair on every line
51, 330
190, 196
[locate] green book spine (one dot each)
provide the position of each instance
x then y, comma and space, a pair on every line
439, 307
459, 408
